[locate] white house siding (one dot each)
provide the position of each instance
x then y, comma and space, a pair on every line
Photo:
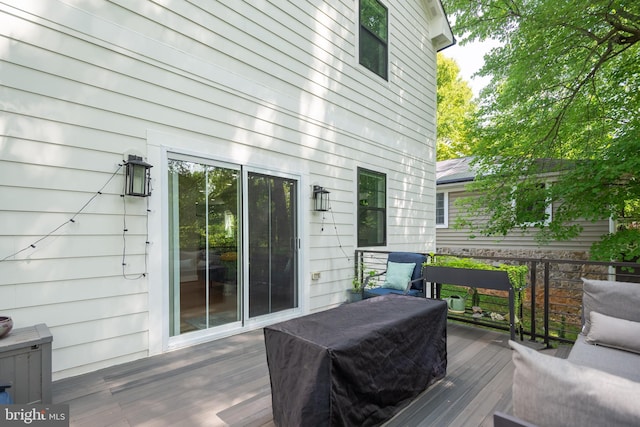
274, 85
516, 243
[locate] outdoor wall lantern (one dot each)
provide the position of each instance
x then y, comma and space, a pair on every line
320, 199
138, 177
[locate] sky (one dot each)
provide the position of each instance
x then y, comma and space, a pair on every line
470, 60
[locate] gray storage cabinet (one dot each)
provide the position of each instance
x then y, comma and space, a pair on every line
25, 363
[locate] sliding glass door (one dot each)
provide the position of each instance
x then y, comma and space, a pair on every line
204, 201
273, 244
207, 287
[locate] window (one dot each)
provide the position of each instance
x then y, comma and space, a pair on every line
442, 210
531, 205
372, 208
374, 36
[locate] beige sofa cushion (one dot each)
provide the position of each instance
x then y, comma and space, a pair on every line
613, 332
617, 362
617, 299
550, 391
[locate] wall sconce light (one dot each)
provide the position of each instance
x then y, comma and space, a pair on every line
320, 199
138, 177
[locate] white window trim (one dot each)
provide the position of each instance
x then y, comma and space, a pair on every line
445, 224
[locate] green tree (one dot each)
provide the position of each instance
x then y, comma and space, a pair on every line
564, 99
455, 112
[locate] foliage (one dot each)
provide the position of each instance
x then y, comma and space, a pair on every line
208, 205
565, 85
357, 284
374, 17
455, 112
517, 273
621, 246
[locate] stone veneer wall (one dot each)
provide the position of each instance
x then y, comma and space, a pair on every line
520, 253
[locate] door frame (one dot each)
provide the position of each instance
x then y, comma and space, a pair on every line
159, 339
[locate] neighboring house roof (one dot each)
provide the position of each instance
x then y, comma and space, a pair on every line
454, 170
460, 170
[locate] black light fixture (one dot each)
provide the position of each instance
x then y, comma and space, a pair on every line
138, 177
320, 199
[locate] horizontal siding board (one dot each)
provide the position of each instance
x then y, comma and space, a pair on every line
29, 295
56, 110
122, 348
8, 299
66, 135
65, 93
69, 313
57, 176
96, 330
61, 246
69, 201
515, 240
33, 225
92, 367
33, 151
56, 269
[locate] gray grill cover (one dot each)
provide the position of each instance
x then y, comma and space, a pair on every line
358, 364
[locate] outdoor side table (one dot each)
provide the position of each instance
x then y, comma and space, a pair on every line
25, 363
357, 364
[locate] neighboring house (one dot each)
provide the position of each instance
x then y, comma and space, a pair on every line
453, 176
242, 108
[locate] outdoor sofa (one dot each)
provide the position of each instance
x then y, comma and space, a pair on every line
599, 382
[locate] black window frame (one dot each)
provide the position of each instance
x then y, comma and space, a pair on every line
372, 212
380, 64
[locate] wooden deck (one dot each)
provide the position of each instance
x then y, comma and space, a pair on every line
226, 382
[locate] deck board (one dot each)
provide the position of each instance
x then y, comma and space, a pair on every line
226, 383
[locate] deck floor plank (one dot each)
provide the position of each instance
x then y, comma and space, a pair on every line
226, 383
469, 371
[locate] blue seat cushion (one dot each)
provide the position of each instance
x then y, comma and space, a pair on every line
375, 292
408, 257
398, 275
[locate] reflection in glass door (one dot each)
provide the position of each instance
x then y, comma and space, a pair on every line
273, 242
203, 238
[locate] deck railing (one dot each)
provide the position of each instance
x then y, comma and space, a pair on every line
552, 305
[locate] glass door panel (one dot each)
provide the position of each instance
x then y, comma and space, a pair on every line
272, 236
203, 233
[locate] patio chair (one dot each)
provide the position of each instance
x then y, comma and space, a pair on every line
403, 276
